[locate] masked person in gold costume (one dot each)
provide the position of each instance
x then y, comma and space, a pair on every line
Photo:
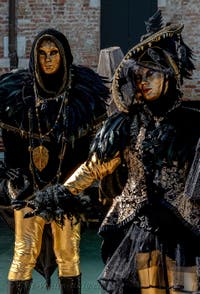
152, 229
48, 114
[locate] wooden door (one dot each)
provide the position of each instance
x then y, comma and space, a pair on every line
122, 22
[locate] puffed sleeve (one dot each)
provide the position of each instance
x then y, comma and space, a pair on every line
90, 171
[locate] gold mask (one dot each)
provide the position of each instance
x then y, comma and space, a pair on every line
150, 83
49, 57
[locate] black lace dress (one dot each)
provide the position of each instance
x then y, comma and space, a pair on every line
153, 224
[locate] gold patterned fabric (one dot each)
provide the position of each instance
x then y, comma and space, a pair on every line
134, 194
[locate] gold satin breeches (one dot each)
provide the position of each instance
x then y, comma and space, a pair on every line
28, 241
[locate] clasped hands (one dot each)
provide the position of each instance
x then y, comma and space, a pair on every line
52, 204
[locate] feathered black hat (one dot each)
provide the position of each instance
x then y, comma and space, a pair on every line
161, 47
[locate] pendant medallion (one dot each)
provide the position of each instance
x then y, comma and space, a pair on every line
40, 155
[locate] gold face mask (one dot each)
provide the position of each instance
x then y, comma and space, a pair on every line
150, 83
49, 57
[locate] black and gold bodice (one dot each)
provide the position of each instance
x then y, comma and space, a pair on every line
158, 152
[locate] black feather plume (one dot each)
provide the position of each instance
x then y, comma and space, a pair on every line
15, 87
88, 100
186, 56
112, 137
153, 25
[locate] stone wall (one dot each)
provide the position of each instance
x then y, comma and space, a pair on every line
187, 12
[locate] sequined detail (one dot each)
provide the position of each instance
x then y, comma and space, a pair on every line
134, 193
167, 176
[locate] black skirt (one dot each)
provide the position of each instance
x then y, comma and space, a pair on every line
154, 260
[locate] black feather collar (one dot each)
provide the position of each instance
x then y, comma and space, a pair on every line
87, 100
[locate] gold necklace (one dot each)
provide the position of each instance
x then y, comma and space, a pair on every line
40, 154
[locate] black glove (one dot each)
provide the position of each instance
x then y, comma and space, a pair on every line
19, 184
19, 204
2, 170
53, 203
14, 183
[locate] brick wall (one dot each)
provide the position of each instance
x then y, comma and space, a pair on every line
187, 12
78, 20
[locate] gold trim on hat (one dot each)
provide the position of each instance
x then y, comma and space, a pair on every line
167, 31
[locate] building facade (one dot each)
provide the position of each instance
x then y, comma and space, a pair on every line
80, 21
187, 12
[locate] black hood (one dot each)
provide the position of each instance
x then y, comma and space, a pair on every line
54, 84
